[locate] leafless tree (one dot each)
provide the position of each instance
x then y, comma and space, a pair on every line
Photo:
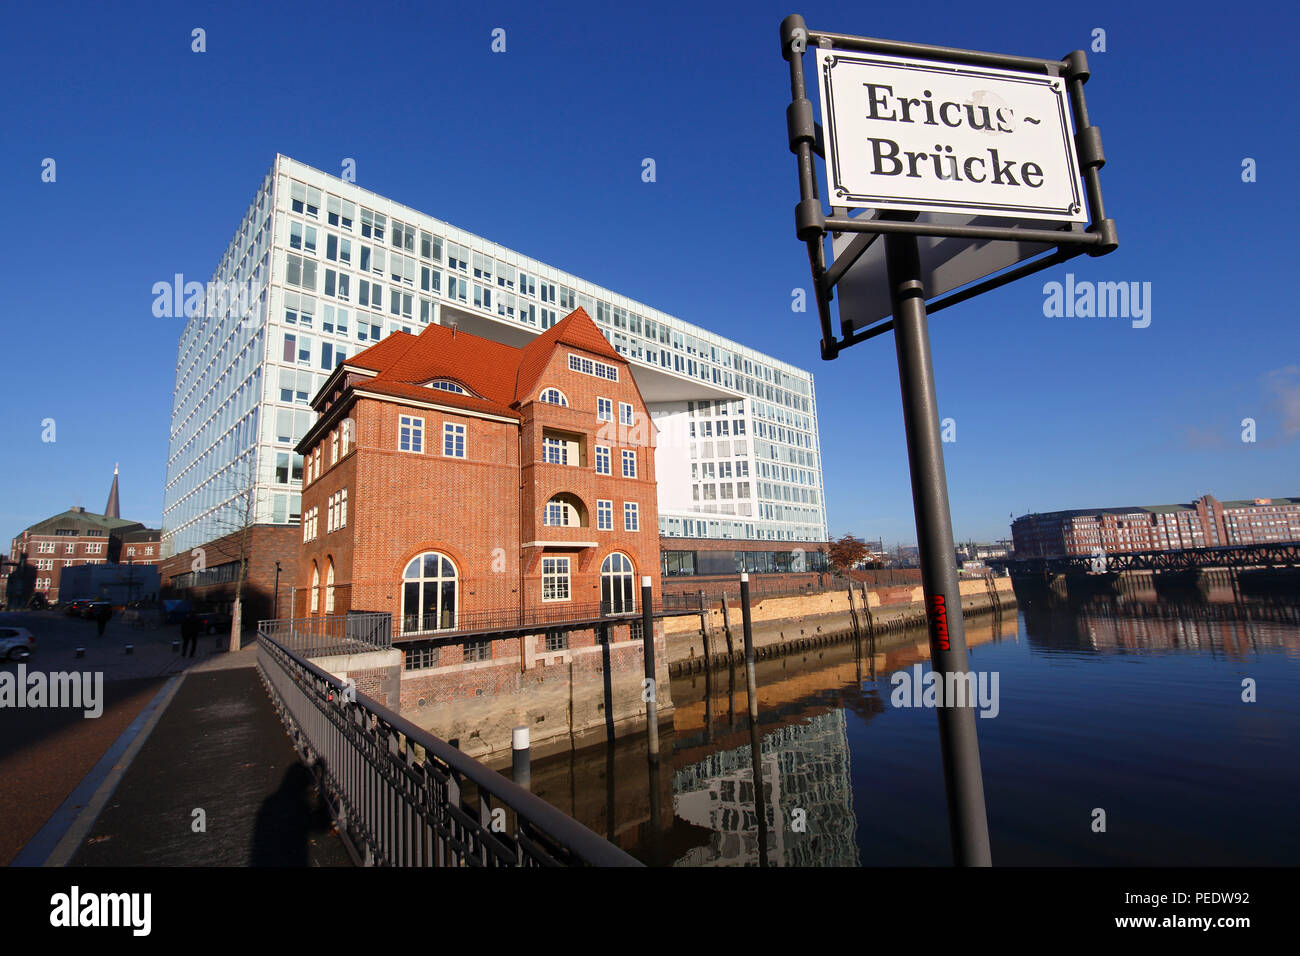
235, 524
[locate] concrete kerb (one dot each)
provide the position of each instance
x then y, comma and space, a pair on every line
59, 839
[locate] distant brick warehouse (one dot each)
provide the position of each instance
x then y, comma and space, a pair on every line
1204, 523
450, 479
75, 538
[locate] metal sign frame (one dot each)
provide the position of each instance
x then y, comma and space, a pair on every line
908, 319
812, 224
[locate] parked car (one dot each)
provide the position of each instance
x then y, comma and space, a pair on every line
75, 607
92, 608
16, 643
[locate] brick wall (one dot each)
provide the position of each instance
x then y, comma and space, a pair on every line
266, 545
484, 511
561, 696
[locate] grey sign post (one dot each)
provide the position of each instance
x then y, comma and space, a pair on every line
1018, 128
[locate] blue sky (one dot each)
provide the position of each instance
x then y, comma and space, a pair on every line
159, 150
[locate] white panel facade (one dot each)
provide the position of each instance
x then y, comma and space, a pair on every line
320, 269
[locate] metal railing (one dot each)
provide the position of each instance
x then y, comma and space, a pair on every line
830, 584
516, 618
405, 798
351, 633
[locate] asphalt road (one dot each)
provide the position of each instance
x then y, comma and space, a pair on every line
45, 752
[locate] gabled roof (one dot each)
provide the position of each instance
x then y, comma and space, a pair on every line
502, 376
575, 329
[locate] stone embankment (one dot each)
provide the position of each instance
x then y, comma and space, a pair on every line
788, 625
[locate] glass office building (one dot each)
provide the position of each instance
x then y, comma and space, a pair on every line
320, 269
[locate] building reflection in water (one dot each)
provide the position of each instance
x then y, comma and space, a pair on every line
806, 784
1114, 623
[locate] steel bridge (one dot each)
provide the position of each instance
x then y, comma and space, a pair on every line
1278, 554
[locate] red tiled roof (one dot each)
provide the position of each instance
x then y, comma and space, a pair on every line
422, 393
383, 352
574, 329
499, 375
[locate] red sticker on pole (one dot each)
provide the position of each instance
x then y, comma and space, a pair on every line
939, 621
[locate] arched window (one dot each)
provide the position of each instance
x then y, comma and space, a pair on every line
616, 580
329, 587
315, 588
429, 593
553, 396
447, 385
564, 511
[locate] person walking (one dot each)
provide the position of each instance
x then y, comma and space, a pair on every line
102, 614
189, 634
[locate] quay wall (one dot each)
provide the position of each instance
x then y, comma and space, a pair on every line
787, 625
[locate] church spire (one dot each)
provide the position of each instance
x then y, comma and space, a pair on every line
111, 509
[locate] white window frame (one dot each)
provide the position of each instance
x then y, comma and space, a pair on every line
555, 578
604, 514
607, 459
631, 516
604, 409
625, 412
580, 363
415, 437
453, 431
629, 457
549, 443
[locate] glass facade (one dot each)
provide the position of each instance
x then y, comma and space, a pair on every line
320, 269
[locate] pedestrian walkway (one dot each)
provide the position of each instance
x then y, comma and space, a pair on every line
216, 782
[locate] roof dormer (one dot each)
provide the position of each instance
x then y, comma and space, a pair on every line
450, 385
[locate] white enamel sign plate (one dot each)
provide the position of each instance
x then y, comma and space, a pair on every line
904, 134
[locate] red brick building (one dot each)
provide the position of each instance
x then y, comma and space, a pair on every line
207, 576
528, 471
450, 480
76, 537
1204, 523
141, 547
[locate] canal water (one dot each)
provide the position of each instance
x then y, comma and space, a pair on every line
1117, 712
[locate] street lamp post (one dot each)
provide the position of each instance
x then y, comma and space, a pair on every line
275, 612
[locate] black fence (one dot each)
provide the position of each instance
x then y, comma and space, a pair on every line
403, 797
518, 619
351, 633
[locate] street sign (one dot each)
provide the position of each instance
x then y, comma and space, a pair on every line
924, 136
970, 175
